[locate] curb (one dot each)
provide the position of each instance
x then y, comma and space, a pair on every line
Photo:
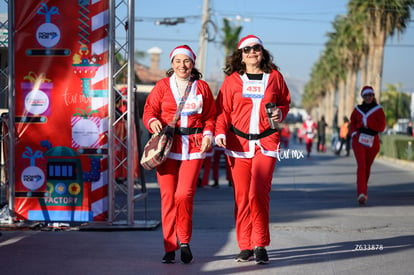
396, 162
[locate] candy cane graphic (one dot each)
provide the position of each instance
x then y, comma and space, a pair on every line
97, 37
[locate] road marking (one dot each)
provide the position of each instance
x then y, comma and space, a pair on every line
12, 240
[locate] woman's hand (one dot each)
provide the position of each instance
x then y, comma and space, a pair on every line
277, 115
156, 126
221, 142
205, 144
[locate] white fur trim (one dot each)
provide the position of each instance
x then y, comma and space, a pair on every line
249, 41
367, 91
182, 51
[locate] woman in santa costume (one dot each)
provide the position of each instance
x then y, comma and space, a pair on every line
367, 120
243, 129
193, 137
309, 127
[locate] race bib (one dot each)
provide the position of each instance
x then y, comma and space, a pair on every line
253, 88
366, 140
193, 105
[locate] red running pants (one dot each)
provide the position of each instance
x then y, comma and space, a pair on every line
364, 157
177, 180
252, 184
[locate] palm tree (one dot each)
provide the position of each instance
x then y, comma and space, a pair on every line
231, 36
382, 19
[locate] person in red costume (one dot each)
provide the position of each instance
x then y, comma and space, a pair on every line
367, 120
193, 137
285, 135
243, 129
309, 128
204, 177
218, 152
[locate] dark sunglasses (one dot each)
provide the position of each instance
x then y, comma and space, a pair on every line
368, 95
256, 48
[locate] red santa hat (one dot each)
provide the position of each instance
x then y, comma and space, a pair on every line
183, 49
124, 91
248, 40
367, 90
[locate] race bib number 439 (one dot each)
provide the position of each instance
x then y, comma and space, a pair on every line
193, 105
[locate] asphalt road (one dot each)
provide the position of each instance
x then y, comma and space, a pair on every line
316, 228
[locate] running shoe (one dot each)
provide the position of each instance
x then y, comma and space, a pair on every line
245, 256
261, 255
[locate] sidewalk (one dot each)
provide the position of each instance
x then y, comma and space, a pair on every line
315, 223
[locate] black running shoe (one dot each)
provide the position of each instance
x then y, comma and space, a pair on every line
245, 256
261, 255
169, 258
186, 255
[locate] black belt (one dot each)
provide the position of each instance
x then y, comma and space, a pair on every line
187, 131
263, 134
368, 131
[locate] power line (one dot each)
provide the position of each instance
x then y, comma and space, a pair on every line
287, 43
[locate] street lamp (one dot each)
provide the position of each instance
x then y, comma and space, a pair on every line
170, 21
239, 19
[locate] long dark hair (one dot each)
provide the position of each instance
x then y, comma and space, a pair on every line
234, 63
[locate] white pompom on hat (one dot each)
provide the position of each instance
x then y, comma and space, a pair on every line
183, 49
367, 90
248, 40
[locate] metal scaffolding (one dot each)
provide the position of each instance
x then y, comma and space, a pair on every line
123, 194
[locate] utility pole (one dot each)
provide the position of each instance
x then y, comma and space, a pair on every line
203, 37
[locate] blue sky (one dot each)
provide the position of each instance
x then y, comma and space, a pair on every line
293, 31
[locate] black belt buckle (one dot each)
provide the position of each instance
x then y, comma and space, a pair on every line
249, 136
187, 131
252, 136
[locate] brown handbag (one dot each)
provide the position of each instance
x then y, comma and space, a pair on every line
159, 145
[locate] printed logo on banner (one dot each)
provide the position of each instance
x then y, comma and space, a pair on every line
48, 34
85, 129
33, 177
36, 102
37, 94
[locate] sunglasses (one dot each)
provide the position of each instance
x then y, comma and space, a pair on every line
368, 95
256, 48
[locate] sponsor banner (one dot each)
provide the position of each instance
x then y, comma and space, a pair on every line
61, 83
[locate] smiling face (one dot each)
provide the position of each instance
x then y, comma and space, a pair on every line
182, 65
368, 98
252, 55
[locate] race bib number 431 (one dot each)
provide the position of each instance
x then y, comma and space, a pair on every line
253, 89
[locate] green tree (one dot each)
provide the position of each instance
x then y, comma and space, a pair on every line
231, 36
121, 67
381, 19
396, 104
